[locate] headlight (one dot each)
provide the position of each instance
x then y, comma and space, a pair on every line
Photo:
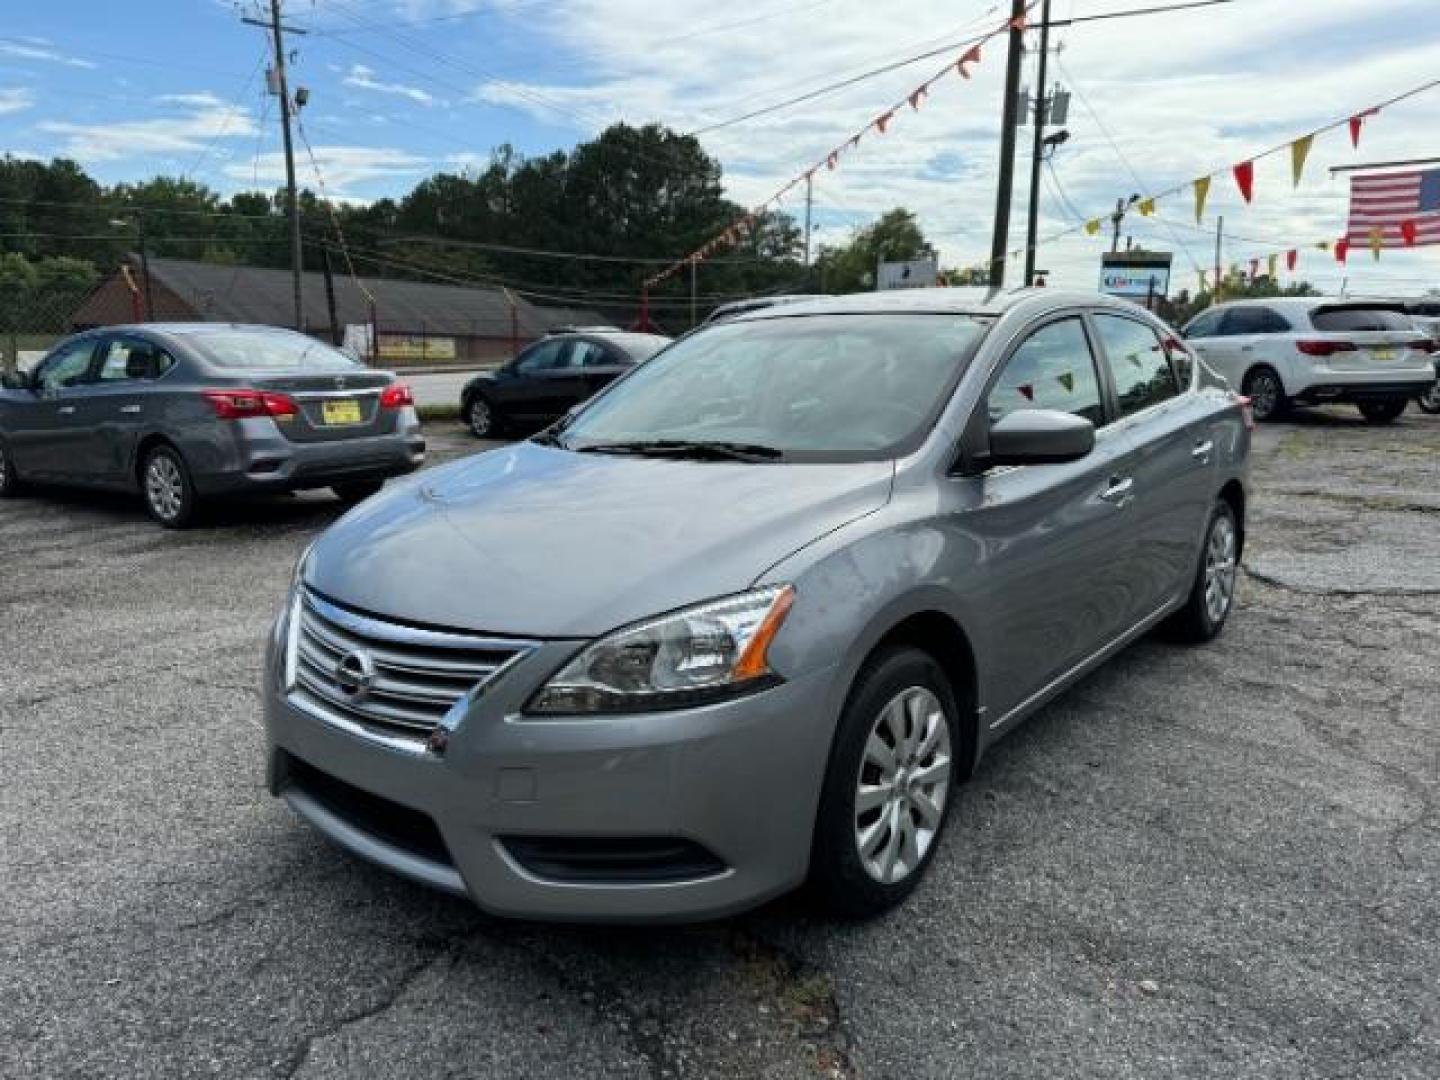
701, 654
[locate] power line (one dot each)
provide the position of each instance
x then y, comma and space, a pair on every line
1162, 9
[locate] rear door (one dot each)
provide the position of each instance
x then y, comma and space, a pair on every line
122, 403
1174, 460
1058, 538
542, 382
47, 425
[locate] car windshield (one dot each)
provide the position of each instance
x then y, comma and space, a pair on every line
267, 350
808, 388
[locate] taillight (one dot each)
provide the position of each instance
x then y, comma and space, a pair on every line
1324, 348
242, 404
1247, 414
396, 396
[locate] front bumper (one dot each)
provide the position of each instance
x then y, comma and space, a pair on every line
263, 459
739, 779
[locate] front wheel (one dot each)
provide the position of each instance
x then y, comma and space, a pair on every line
357, 490
169, 492
1213, 591
889, 785
9, 478
481, 418
1429, 401
1383, 411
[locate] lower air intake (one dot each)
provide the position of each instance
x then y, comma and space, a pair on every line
613, 861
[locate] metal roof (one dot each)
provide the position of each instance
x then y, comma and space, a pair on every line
251, 294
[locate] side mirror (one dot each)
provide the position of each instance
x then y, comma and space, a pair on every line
17, 380
1039, 437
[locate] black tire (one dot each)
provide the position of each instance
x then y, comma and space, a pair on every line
1382, 410
167, 488
1429, 401
357, 490
482, 418
1200, 619
10, 483
1266, 393
839, 878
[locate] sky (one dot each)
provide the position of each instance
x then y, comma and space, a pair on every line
400, 89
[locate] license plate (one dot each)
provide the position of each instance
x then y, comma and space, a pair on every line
340, 412
1383, 353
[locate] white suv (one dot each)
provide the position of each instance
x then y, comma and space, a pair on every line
1311, 350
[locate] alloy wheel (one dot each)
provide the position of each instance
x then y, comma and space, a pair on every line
1220, 569
1264, 395
482, 422
903, 785
1429, 401
164, 487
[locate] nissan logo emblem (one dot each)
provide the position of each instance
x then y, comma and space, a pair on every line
355, 674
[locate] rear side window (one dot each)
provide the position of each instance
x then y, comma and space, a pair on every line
1359, 318
1138, 363
1254, 320
1052, 369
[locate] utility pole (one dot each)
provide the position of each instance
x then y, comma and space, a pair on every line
144, 267
1007, 145
277, 30
1032, 228
809, 207
694, 311
1115, 219
1219, 238
335, 338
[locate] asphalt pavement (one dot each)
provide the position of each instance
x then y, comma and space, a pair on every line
1212, 862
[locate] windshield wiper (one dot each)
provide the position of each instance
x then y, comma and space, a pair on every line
694, 449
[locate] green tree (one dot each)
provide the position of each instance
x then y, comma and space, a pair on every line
895, 236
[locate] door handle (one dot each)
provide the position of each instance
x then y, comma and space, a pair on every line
130, 409
1120, 491
65, 410
1201, 451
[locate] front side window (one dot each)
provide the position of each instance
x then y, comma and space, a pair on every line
268, 350
1138, 363
1206, 324
1052, 369
543, 357
66, 367
855, 387
1254, 320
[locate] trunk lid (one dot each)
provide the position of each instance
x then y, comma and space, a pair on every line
332, 406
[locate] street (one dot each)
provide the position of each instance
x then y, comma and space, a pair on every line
1210, 863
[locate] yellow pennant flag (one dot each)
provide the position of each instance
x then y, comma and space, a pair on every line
1092, 226
1146, 207
1377, 241
1202, 192
1273, 264
1299, 151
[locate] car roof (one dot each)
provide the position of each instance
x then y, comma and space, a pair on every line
961, 300
1289, 303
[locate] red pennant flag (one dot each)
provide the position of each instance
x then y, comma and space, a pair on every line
1342, 249
915, 98
1245, 178
1027, 390
1291, 257
1355, 123
1408, 231
832, 159
881, 121
1018, 23
972, 56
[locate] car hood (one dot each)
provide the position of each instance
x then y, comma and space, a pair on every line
540, 542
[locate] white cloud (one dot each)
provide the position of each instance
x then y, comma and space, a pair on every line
15, 99
342, 167
1182, 94
39, 49
157, 139
364, 78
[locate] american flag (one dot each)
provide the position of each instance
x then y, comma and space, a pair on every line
1403, 206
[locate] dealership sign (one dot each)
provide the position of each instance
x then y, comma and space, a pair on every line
1137, 275
914, 274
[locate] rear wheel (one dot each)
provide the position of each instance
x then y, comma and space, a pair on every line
169, 492
889, 785
1213, 591
1429, 401
9, 478
357, 490
1382, 411
481, 417
1266, 393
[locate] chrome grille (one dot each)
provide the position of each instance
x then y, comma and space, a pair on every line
411, 677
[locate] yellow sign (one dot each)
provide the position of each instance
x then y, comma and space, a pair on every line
341, 412
407, 347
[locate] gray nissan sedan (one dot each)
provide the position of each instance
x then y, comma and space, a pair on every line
185, 412
747, 618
